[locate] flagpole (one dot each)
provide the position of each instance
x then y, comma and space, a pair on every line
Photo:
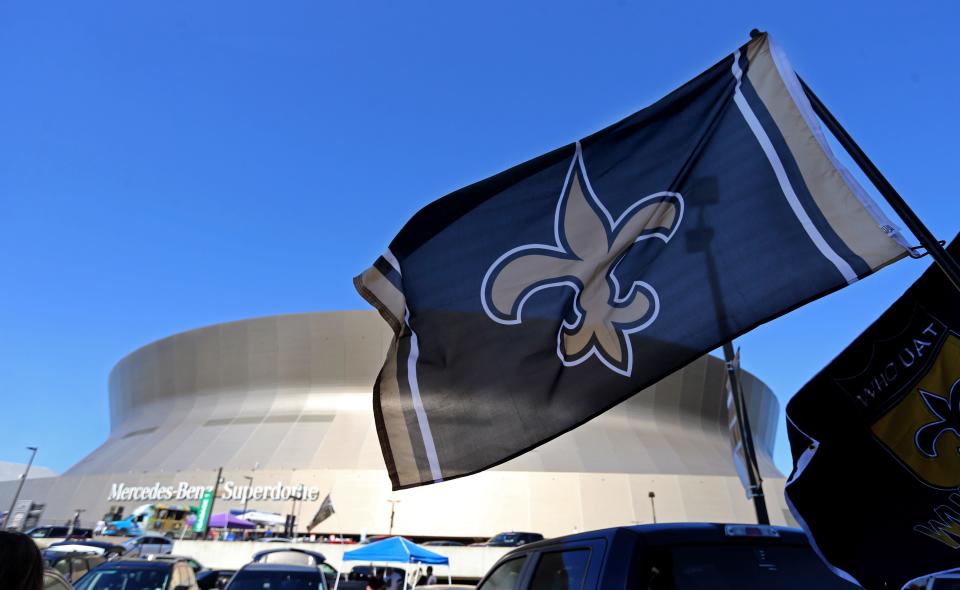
698, 240
752, 467
944, 260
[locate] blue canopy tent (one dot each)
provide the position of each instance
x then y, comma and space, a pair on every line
395, 550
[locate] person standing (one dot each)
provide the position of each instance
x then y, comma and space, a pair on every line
431, 579
394, 580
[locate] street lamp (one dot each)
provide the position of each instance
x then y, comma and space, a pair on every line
23, 478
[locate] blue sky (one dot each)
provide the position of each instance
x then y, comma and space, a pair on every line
167, 165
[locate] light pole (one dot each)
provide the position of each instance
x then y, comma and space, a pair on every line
23, 478
246, 497
393, 510
296, 495
653, 507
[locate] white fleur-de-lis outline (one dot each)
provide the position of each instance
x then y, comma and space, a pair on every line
558, 248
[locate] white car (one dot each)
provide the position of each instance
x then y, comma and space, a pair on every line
148, 545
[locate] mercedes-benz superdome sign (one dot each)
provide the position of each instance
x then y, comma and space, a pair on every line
184, 490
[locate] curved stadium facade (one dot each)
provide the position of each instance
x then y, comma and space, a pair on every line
286, 401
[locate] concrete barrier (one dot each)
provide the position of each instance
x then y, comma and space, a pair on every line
465, 562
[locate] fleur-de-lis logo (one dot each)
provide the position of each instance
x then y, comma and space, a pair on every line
589, 246
947, 412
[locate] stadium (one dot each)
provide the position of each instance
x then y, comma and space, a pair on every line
283, 405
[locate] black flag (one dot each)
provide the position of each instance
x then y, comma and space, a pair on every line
323, 513
531, 301
876, 443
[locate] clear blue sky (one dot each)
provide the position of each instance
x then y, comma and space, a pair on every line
166, 165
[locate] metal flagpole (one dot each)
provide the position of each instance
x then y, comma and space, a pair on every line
943, 259
752, 467
940, 255
698, 240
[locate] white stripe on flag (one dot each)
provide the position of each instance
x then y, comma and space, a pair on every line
785, 186
425, 433
392, 260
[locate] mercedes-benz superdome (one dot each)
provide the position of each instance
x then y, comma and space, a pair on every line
286, 401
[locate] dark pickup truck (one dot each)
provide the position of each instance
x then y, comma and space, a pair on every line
683, 556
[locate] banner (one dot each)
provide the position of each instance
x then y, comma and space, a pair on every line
875, 438
534, 300
323, 513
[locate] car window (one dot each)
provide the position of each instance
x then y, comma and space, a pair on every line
327, 569
561, 570
108, 578
63, 566
51, 582
738, 567
506, 576
38, 533
79, 567
946, 584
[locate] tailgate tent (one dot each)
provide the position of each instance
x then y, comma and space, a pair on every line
395, 550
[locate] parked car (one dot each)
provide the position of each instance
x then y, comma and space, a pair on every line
295, 556
148, 545
59, 532
71, 564
257, 576
139, 574
214, 579
512, 539
45, 535
680, 556
289, 555
108, 550
54, 580
945, 581
443, 543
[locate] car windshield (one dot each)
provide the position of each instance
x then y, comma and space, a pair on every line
273, 580
124, 579
505, 538
739, 567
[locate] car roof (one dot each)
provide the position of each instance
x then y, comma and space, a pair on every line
314, 554
169, 557
138, 564
279, 567
53, 552
679, 532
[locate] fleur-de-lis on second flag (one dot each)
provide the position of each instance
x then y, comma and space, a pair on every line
947, 411
590, 244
